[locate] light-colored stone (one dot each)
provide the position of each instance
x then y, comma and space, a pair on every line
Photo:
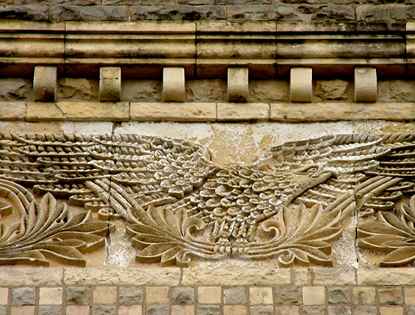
236, 273
109, 84
12, 110
365, 85
333, 276
241, 112
409, 295
377, 276
238, 84
23, 310
44, 83
390, 295
104, 295
144, 275
157, 295
260, 295
77, 310
50, 296
77, 111
301, 84
173, 84
23, 276
130, 310
209, 295
314, 295
235, 310
364, 295
173, 111
302, 276
287, 310
235, 295
391, 310
4, 296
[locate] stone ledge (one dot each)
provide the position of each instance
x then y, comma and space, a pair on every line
27, 276
386, 276
199, 112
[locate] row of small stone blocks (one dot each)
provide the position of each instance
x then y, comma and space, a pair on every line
301, 87
128, 300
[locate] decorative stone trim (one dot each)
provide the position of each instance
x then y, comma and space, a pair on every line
204, 49
238, 84
44, 83
110, 84
301, 85
173, 85
365, 85
198, 112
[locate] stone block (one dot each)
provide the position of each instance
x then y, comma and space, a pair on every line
365, 310
235, 310
301, 85
130, 295
110, 84
130, 310
339, 295
235, 295
333, 276
391, 310
285, 310
314, 295
50, 310
390, 295
313, 310
242, 112
31, 276
44, 83
386, 276
4, 296
238, 84
209, 295
157, 295
104, 310
364, 295
339, 310
173, 85
182, 310
287, 295
77, 310
209, 310
182, 295
50, 296
22, 296
77, 295
157, 309
365, 84
104, 295
260, 295
261, 310
22, 310
173, 111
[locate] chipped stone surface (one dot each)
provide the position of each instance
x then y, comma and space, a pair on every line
22, 276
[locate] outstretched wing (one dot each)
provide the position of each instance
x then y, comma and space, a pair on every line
153, 170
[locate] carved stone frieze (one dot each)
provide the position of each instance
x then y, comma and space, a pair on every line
57, 193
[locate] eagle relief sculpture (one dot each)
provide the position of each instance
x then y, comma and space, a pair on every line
60, 193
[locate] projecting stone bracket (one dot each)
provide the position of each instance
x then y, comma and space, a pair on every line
301, 85
174, 89
44, 83
365, 85
110, 84
238, 84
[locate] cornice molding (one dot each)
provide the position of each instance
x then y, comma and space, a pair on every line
205, 49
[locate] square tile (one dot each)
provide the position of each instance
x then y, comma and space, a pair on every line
4, 296
209, 295
23, 296
364, 295
235, 295
314, 295
77, 310
182, 310
22, 310
104, 295
130, 310
182, 295
235, 310
260, 295
50, 296
157, 295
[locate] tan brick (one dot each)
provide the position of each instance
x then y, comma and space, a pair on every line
248, 111
104, 295
130, 310
77, 310
410, 295
364, 295
333, 276
4, 296
50, 296
260, 295
390, 295
173, 111
235, 310
209, 295
22, 310
30, 276
302, 276
314, 295
182, 310
157, 295
395, 276
391, 310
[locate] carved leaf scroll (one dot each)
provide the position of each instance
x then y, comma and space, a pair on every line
47, 230
392, 233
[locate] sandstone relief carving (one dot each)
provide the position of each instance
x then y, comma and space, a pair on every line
60, 193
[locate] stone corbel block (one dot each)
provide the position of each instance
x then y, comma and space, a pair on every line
238, 84
44, 83
110, 84
173, 85
365, 84
301, 85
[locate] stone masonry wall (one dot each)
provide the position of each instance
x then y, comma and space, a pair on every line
386, 14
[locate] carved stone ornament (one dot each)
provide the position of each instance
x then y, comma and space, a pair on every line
58, 192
